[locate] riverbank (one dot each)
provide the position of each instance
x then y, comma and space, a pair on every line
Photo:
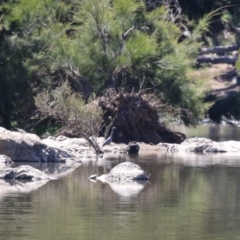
25, 147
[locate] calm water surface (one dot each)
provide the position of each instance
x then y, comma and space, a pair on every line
187, 197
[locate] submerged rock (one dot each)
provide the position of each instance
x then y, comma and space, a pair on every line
23, 172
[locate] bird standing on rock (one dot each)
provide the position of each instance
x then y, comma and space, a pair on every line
109, 140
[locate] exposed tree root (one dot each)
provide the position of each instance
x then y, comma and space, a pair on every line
136, 119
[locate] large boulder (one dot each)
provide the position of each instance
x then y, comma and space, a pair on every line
22, 146
201, 145
126, 179
124, 172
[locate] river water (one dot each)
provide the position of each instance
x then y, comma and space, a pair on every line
187, 197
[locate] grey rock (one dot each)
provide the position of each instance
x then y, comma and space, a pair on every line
25, 147
201, 145
23, 172
125, 172
5, 159
126, 179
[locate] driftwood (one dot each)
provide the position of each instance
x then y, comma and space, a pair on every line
229, 59
219, 49
218, 59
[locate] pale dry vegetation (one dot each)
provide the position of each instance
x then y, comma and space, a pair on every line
69, 108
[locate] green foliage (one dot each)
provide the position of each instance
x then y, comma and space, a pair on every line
109, 43
119, 47
227, 19
196, 9
238, 66
26, 33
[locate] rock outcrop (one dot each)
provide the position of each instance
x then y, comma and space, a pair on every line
26, 147
201, 145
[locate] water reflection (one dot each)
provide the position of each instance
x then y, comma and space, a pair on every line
212, 131
54, 170
22, 186
188, 197
179, 202
128, 190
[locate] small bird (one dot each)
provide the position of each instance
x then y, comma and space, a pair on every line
109, 140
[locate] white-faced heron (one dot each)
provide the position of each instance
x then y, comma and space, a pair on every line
109, 140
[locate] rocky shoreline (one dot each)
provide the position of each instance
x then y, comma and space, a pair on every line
58, 156
26, 147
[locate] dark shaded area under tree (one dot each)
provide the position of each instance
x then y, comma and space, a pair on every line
132, 113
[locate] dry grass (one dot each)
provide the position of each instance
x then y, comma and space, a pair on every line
219, 77
222, 76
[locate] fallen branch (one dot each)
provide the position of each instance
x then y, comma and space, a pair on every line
219, 59
32, 125
219, 49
